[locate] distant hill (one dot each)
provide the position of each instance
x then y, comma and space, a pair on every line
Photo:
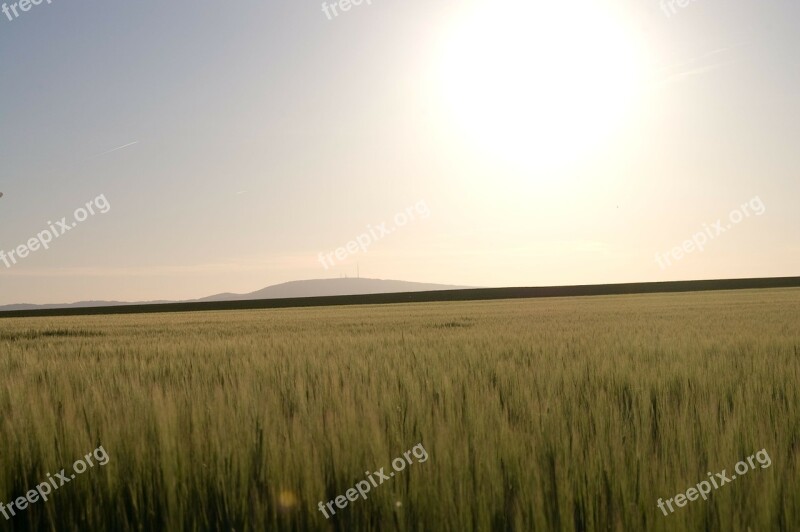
290, 290
79, 304
332, 287
424, 296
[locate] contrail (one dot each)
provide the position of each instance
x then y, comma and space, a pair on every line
681, 71
694, 71
699, 58
115, 149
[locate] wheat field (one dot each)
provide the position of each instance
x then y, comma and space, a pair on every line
540, 414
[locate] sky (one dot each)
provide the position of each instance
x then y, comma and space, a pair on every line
228, 146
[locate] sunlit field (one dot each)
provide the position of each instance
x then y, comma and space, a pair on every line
541, 414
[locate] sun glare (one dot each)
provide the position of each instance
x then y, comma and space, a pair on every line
538, 83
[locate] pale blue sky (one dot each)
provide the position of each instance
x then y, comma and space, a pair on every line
265, 133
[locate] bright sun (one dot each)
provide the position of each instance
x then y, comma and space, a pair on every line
539, 83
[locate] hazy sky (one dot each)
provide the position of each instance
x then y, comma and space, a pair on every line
552, 142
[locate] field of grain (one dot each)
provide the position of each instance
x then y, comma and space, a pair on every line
541, 414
